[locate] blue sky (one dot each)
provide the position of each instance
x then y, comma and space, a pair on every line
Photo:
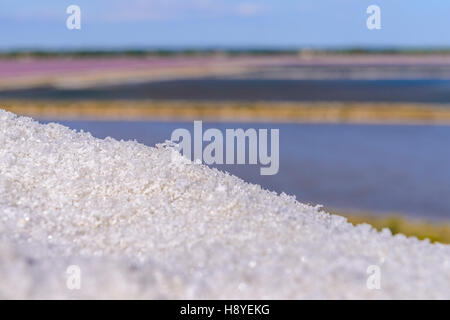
225, 23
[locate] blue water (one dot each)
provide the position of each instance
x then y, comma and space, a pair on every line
425, 90
376, 168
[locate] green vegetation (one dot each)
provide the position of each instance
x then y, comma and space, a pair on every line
434, 231
163, 52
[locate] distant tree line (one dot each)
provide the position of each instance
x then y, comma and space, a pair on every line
213, 52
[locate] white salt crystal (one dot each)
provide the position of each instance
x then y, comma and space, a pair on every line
143, 222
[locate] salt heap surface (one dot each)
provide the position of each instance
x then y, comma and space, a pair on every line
145, 222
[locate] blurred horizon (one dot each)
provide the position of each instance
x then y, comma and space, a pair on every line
211, 50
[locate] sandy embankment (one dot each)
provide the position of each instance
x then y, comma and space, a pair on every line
144, 222
291, 112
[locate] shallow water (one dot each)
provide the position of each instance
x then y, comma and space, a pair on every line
425, 90
371, 168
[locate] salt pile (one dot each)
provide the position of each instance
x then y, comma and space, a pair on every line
145, 222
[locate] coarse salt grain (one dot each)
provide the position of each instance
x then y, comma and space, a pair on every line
145, 222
